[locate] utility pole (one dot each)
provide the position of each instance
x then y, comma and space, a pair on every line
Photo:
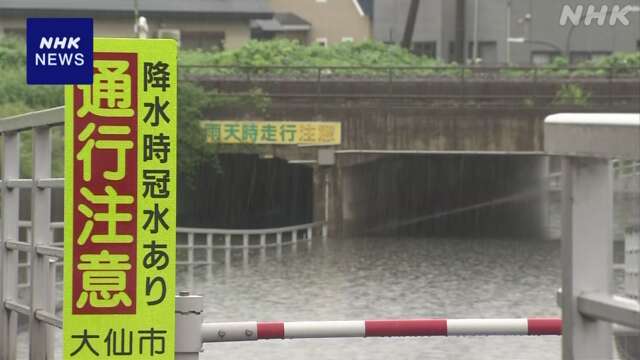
475, 32
508, 31
411, 24
460, 31
136, 28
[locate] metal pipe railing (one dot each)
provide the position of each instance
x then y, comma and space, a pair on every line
588, 143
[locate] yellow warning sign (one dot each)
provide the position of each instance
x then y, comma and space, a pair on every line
272, 132
120, 204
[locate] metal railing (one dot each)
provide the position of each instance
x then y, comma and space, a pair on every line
632, 263
40, 310
195, 242
190, 247
622, 170
588, 143
401, 72
539, 88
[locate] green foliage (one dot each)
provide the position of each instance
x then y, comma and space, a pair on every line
193, 151
13, 108
13, 87
614, 65
621, 63
288, 54
572, 94
12, 51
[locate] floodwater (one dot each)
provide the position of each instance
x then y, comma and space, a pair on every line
355, 279
369, 278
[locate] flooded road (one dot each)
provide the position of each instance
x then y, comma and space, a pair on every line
386, 278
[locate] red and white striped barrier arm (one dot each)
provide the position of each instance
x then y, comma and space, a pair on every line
252, 330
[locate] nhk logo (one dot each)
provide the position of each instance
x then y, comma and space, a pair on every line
59, 51
581, 14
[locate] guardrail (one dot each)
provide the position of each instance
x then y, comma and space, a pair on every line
189, 246
231, 239
41, 308
440, 86
621, 169
391, 73
587, 144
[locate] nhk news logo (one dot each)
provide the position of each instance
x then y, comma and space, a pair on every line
597, 15
59, 51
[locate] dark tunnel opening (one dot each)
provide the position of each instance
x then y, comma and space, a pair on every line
445, 196
245, 191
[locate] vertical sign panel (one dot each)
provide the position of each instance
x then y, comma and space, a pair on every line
120, 190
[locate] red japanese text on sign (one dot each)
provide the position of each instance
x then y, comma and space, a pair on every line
105, 191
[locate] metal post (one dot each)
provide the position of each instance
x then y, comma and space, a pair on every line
190, 248
41, 235
227, 250
245, 250
278, 245
463, 92
543, 206
9, 258
587, 220
535, 87
475, 32
245, 241
190, 265
632, 263
326, 197
51, 300
610, 86
135, 18
263, 240
318, 91
263, 247
189, 315
209, 249
508, 31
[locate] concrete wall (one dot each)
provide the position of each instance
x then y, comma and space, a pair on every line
237, 32
330, 19
380, 128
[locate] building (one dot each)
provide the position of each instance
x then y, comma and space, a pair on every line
321, 21
445, 28
197, 23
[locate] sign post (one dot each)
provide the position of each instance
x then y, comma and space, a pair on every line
120, 191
